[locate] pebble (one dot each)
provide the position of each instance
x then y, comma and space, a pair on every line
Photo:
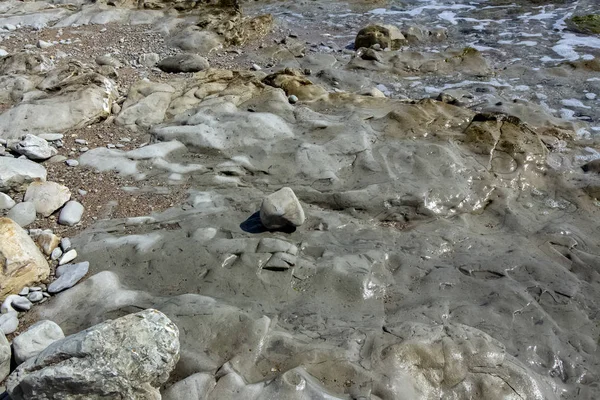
68, 275
72, 163
15, 303
293, 99
6, 202
35, 288
256, 67
34, 297
23, 213
110, 146
68, 257
56, 253
47, 196
65, 244
9, 322
71, 213
84, 149
24, 291
82, 192
81, 141
42, 44
33, 147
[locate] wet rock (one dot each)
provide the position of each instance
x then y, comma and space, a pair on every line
68, 257
293, 99
9, 322
281, 209
21, 261
48, 241
100, 361
35, 339
47, 196
588, 24
23, 213
5, 355
68, 276
149, 60
186, 62
16, 173
34, 148
71, 213
6, 202
386, 36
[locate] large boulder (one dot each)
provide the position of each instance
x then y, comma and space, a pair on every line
16, 173
186, 62
126, 358
21, 262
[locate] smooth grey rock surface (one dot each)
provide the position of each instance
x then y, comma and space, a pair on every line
16, 172
281, 209
33, 147
68, 257
65, 244
35, 339
6, 202
9, 322
126, 358
186, 62
5, 354
47, 196
68, 275
23, 213
34, 297
71, 213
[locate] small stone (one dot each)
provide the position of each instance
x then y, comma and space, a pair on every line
72, 163
23, 213
34, 297
16, 173
24, 291
82, 192
68, 275
68, 257
81, 141
57, 159
115, 109
48, 241
34, 233
56, 253
256, 67
47, 196
6, 202
35, 288
281, 209
33, 147
42, 44
35, 339
71, 213
9, 322
46, 294
65, 244
293, 99
84, 149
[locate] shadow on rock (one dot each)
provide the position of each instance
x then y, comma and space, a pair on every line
254, 225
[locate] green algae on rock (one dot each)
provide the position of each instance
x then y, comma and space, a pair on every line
589, 24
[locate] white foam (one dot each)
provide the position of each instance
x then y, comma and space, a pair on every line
573, 103
566, 46
529, 43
